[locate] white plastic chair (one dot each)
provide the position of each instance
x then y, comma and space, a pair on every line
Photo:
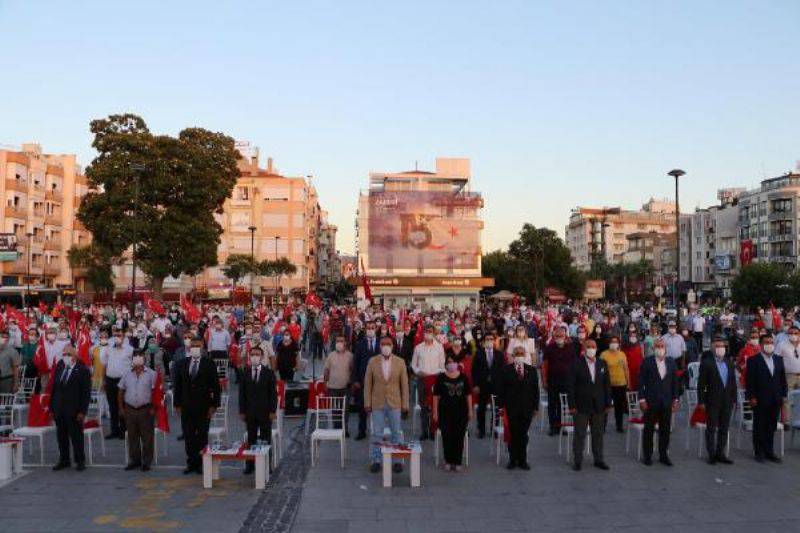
22, 397
544, 402
6, 413
498, 430
330, 412
31, 432
635, 422
693, 370
567, 427
218, 428
437, 444
794, 401
93, 414
746, 421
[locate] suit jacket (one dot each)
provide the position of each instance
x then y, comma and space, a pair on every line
72, 396
710, 389
196, 395
585, 395
379, 392
519, 397
361, 356
768, 389
657, 392
484, 375
258, 399
406, 350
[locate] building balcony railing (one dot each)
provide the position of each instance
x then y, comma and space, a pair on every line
15, 267
15, 212
781, 215
52, 270
53, 219
54, 195
781, 237
52, 244
783, 258
13, 184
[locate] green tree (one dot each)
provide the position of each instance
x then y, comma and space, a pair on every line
238, 266
762, 284
160, 193
282, 267
97, 266
538, 258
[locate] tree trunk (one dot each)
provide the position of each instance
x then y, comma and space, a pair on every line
157, 284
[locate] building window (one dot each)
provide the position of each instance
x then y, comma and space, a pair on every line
275, 220
783, 205
242, 193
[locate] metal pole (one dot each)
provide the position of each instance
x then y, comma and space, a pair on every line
252, 259
28, 278
137, 168
678, 247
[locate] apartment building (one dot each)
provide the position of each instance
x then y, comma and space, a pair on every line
42, 193
328, 264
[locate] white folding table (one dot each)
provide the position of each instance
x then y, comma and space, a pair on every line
214, 455
411, 451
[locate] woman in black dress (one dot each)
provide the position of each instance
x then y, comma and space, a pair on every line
452, 411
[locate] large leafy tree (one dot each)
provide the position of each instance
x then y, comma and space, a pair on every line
97, 264
538, 258
621, 277
762, 284
238, 266
160, 193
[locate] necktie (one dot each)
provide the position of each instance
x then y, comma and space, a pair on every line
489, 357
193, 371
520, 371
65, 377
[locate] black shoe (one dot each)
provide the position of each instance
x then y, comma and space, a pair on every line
111, 436
576, 467
774, 459
397, 468
132, 466
759, 458
180, 437
665, 461
601, 465
620, 430
481, 434
511, 465
647, 461
60, 466
199, 470
424, 436
121, 436
80, 467
552, 432
347, 434
249, 469
525, 466
188, 470
145, 468
361, 436
374, 468
724, 460
711, 460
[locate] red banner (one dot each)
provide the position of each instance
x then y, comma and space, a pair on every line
746, 253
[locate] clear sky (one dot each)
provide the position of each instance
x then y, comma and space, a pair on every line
558, 104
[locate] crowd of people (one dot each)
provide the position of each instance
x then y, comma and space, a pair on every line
454, 367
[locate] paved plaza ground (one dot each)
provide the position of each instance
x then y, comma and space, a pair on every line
691, 496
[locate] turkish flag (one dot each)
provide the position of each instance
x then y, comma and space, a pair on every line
162, 420
40, 358
746, 252
84, 344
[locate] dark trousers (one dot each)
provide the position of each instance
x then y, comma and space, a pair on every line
620, 397
140, 424
195, 436
453, 438
717, 422
258, 428
597, 423
111, 386
765, 422
554, 389
518, 426
663, 417
425, 412
698, 339
362, 415
340, 393
484, 399
69, 430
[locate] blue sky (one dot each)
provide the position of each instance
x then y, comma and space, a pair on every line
558, 104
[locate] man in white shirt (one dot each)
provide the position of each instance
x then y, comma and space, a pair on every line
426, 363
674, 344
117, 359
698, 327
53, 347
218, 340
790, 351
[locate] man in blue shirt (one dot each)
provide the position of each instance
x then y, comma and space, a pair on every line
716, 394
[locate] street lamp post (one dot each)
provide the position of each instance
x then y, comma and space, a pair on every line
28, 277
277, 238
136, 167
677, 173
252, 259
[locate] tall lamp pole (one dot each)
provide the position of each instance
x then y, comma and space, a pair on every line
277, 238
677, 173
252, 259
28, 277
137, 168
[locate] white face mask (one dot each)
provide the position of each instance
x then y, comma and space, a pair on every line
51, 337
661, 353
195, 353
559, 341
429, 337
339, 346
255, 361
591, 353
614, 346
754, 342
451, 367
520, 360
719, 352
672, 331
138, 361
632, 340
769, 348
794, 338
67, 359
386, 351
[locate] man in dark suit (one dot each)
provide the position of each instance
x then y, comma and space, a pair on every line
486, 369
716, 393
258, 402
589, 393
69, 403
658, 398
366, 348
518, 392
405, 344
766, 390
196, 399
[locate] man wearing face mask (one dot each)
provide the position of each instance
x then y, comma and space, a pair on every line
286, 355
674, 344
258, 401
427, 363
486, 369
337, 372
766, 390
10, 360
716, 394
658, 398
790, 352
116, 359
521, 338
196, 399
518, 394
69, 404
589, 393
365, 349
386, 398
53, 347
751, 349
135, 400
559, 356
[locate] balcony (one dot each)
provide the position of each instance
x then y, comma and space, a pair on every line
16, 212
781, 215
52, 269
52, 244
54, 194
15, 267
781, 237
53, 219
13, 184
37, 213
783, 258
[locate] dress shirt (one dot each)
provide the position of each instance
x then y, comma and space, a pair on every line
218, 341
791, 357
256, 372
54, 350
770, 363
698, 323
674, 344
591, 363
339, 367
428, 358
723, 370
386, 367
661, 364
138, 388
530, 349
117, 360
